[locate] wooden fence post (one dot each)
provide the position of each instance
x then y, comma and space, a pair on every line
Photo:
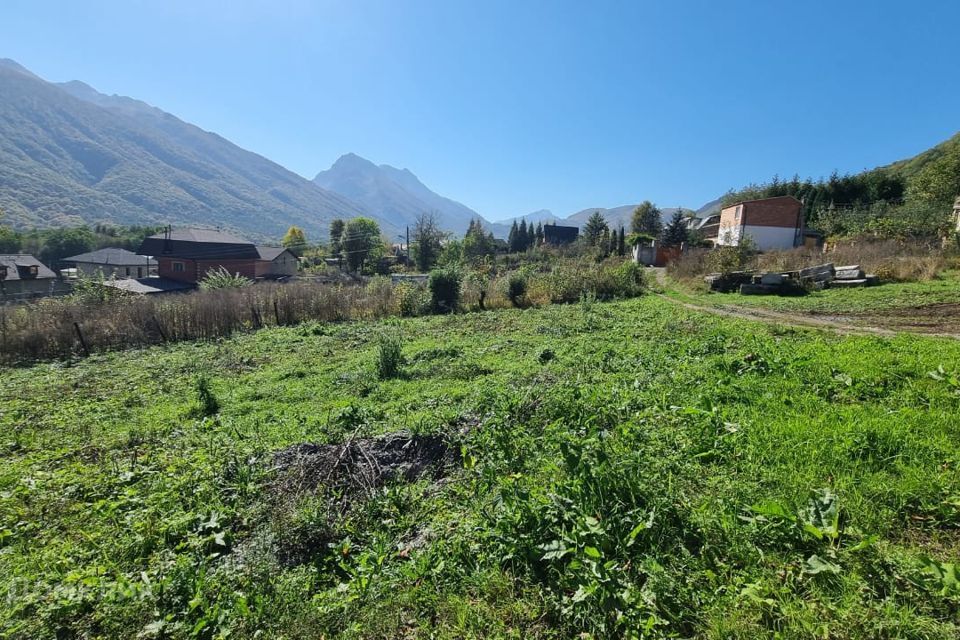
83, 343
276, 311
257, 322
163, 334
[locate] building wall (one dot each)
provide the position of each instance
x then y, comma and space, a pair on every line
956, 212
195, 270
770, 224
728, 232
769, 238
284, 265
19, 290
91, 269
165, 269
777, 212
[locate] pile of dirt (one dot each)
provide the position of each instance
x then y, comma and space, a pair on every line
360, 465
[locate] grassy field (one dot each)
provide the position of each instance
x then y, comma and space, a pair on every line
627, 469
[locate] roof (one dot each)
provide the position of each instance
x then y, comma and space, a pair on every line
198, 244
22, 260
734, 204
560, 231
147, 286
111, 256
272, 253
202, 235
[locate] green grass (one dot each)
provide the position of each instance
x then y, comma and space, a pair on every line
628, 468
886, 297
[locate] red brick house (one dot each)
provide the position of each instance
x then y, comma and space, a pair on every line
771, 223
186, 255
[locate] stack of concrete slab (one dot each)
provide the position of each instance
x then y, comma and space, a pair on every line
730, 281
852, 276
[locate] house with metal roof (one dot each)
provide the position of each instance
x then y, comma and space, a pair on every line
112, 262
23, 277
276, 262
187, 255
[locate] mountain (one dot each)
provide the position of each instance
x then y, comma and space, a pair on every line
393, 194
71, 155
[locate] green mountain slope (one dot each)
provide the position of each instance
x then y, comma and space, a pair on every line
70, 155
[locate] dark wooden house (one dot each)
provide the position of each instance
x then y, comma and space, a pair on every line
187, 255
557, 234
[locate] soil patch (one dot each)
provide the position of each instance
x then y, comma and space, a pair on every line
933, 318
360, 465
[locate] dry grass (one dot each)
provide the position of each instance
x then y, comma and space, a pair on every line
891, 260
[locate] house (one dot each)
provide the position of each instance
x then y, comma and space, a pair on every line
113, 262
186, 255
276, 262
707, 227
556, 234
23, 277
770, 223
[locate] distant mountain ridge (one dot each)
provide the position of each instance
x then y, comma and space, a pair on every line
393, 194
71, 155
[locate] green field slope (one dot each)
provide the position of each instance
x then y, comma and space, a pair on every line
627, 469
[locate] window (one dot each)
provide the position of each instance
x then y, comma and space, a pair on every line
128, 272
178, 267
139, 272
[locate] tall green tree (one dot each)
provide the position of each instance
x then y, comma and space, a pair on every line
538, 234
646, 219
336, 237
513, 237
594, 229
359, 241
523, 238
675, 233
477, 244
621, 243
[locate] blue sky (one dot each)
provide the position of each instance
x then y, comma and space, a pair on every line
513, 106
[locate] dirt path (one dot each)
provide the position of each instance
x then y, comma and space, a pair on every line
838, 324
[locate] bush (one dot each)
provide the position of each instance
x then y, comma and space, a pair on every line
516, 289
207, 403
389, 357
624, 280
444, 289
414, 300
223, 279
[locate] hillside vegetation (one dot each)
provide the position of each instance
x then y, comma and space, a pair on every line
624, 469
69, 156
909, 198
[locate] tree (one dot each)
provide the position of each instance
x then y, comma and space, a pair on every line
427, 241
477, 243
360, 238
523, 237
646, 219
62, 243
9, 240
621, 243
295, 240
512, 241
538, 235
594, 229
336, 237
675, 233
